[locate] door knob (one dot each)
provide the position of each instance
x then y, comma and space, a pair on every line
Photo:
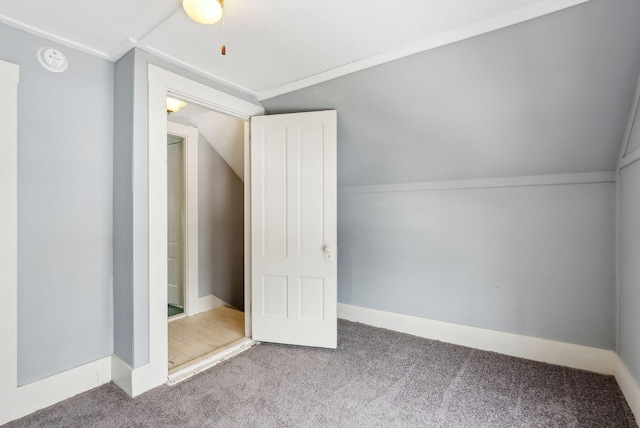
329, 253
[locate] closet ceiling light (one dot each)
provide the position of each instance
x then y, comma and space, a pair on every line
174, 105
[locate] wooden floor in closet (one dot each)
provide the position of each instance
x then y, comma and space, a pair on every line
197, 337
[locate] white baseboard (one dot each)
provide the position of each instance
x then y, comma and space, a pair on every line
53, 389
210, 302
134, 381
121, 374
628, 386
532, 348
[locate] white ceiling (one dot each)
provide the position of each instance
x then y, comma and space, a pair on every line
273, 46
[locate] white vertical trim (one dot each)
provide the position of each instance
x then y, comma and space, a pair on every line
9, 239
533, 348
248, 326
162, 82
155, 372
630, 123
10, 73
190, 135
616, 255
628, 386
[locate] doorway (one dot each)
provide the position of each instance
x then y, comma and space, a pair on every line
162, 83
214, 319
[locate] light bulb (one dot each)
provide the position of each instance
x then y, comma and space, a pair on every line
174, 105
203, 11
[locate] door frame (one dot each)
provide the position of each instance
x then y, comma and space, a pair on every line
161, 84
190, 208
9, 390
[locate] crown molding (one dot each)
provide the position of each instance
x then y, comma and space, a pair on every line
53, 37
197, 70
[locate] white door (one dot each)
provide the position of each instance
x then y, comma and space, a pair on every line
294, 228
175, 211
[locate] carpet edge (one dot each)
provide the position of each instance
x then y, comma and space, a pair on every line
602, 361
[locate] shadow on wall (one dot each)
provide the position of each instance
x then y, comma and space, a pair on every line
221, 224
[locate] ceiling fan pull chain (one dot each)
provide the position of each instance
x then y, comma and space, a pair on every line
224, 48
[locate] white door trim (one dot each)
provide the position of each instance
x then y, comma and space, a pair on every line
248, 329
161, 83
9, 75
190, 135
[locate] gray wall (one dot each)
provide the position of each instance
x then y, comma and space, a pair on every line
221, 228
537, 261
65, 174
123, 207
629, 268
138, 333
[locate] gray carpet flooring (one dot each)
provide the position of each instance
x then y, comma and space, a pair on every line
376, 378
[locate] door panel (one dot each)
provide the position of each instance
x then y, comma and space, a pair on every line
275, 194
311, 298
294, 228
311, 179
275, 296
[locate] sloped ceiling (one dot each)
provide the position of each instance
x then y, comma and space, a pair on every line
548, 96
224, 133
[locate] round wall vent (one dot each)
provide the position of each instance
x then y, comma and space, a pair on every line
53, 60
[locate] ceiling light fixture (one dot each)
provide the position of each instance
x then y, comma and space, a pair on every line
174, 105
207, 12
